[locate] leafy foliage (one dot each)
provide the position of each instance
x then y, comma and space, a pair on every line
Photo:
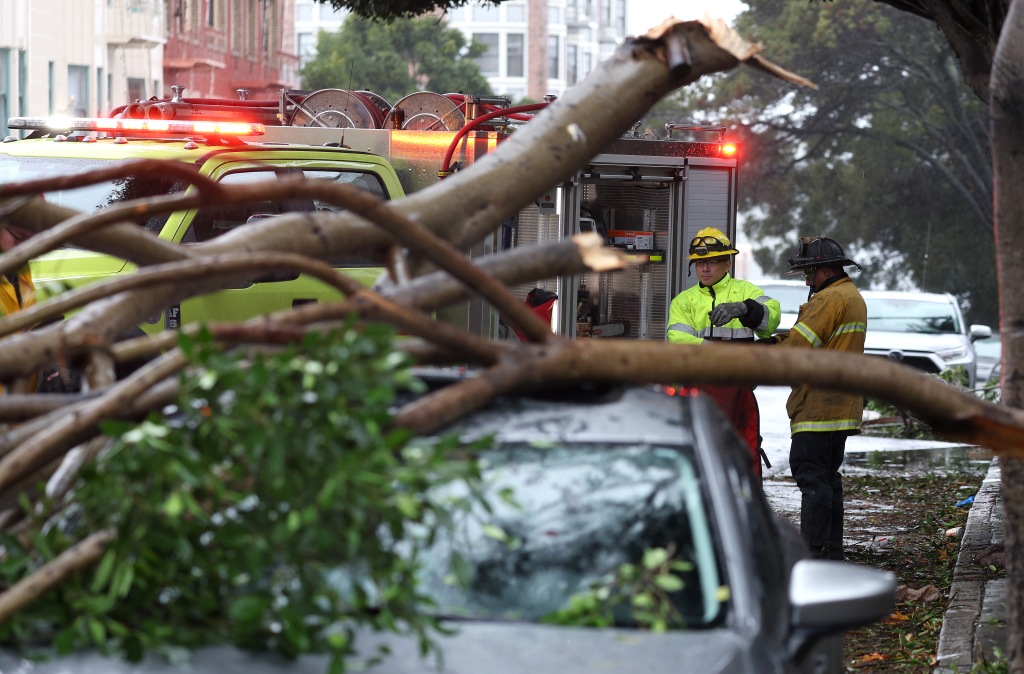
890, 155
396, 59
268, 511
395, 9
643, 589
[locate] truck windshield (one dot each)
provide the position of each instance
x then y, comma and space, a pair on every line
92, 197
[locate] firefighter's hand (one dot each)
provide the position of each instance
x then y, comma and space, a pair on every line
724, 313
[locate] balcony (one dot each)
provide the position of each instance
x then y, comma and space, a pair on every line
134, 23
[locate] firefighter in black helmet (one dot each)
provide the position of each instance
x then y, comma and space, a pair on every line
834, 318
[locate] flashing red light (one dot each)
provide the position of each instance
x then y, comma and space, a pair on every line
727, 149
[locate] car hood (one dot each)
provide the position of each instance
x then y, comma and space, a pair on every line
495, 648
880, 340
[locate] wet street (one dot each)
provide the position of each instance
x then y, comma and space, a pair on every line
863, 454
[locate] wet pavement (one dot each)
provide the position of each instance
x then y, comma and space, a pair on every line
974, 625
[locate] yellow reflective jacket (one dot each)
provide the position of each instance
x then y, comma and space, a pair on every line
688, 321
835, 319
15, 299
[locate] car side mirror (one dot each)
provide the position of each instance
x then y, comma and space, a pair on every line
980, 332
830, 597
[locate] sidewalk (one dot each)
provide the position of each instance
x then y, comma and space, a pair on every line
975, 621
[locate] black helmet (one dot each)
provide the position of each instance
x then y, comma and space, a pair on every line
819, 251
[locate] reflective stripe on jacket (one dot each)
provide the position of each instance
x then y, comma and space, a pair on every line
834, 319
689, 323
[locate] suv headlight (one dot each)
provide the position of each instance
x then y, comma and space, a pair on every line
952, 354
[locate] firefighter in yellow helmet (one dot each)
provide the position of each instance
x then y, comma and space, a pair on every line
722, 308
719, 307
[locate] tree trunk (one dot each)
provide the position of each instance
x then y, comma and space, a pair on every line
1007, 111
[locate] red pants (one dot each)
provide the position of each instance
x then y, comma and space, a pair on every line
740, 407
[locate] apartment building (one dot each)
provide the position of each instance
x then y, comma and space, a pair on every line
78, 57
311, 17
216, 47
534, 47
539, 47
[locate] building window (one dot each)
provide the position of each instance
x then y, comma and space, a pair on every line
5, 86
237, 27
78, 91
304, 12
488, 61
50, 77
99, 92
22, 83
306, 44
571, 52
515, 12
485, 12
554, 57
136, 89
456, 14
215, 14
514, 55
271, 28
554, 16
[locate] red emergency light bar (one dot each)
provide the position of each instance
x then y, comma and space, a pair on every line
727, 149
137, 126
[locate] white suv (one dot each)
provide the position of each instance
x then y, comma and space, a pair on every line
924, 330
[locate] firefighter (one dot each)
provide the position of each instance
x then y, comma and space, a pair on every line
16, 288
834, 318
722, 308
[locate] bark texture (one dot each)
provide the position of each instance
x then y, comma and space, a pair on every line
1007, 111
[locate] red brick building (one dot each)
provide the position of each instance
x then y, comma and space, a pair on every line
215, 47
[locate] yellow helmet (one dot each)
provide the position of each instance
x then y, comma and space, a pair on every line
710, 242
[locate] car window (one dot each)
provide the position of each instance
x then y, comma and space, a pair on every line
92, 197
908, 315
211, 222
579, 512
790, 297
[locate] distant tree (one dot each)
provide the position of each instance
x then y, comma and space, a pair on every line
396, 59
891, 154
396, 9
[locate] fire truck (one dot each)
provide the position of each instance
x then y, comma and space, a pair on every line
647, 196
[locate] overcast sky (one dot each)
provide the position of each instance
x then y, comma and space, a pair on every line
643, 14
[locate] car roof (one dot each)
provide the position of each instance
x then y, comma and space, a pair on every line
616, 414
148, 148
779, 282
914, 296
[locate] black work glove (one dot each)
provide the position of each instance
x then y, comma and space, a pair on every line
724, 313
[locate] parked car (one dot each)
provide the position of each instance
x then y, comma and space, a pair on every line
594, 483
989, 352
923, 330
790, 294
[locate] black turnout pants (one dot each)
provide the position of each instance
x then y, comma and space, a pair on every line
814, 459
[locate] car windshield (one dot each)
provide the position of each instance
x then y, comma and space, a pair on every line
572, 515
92, 197
790, 297
897, 314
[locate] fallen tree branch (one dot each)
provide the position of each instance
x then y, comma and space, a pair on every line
51, 574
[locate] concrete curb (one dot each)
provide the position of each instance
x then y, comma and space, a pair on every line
974, 625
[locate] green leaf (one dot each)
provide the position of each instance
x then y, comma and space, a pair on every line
103, 570
495, 532
249, 608
655, 557
174, 506
407, 505
669, 582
